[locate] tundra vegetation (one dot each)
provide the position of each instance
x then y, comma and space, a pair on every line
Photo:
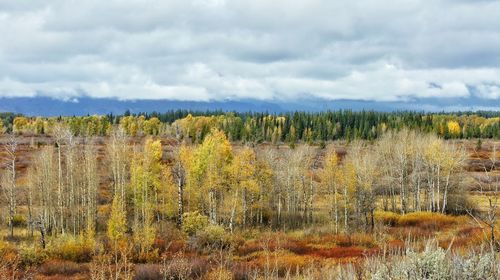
335, 195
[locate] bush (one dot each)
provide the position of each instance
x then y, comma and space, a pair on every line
32, 256
355, 239
148, 272
342, 252
427, 220
219, 273
6, 249
237, 241
19, 221
61, 267
430, 264
387, 218
211, 237
405, 233
424, 220
281, 262
181, 267
151, 256
9, 259
193, 222
77, 249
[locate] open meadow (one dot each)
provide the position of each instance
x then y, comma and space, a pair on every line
407, 205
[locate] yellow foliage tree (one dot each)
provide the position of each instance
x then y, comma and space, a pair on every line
19, 124
117, 226
242, 172
146, 173
330, 179
453, 128
208, 170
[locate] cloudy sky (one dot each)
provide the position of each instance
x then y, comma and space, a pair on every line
203, 50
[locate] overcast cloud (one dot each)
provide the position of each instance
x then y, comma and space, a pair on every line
270, 50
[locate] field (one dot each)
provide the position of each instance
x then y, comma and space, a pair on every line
260, 236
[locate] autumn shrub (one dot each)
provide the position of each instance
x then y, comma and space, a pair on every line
387, 218
395, 246
193, 222
71, 248
434, 263
460, 204
184, 267
429, 264
298, 247
9, 261
177, 268
427, 220
354, 239
32, 256
237, 241
149, 256
169, 232
19, 221
99, 267
7, 248
148, 272
211, 237
219, 273
465, 238
487, 238
169, 239
454, 243
411, 233
162, 246
284, 262
474, 266
243, 271
249, 247
341, 252
61, 267
470, 231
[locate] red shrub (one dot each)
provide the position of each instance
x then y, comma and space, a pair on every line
62, 267
355, 239
173, 246
395, 245
297, 247
428, 220
405, 233
470, 231
341, 252
248, 248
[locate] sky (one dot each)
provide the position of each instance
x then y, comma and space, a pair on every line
213, 50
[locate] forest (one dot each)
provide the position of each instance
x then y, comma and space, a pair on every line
264, 127
213, 195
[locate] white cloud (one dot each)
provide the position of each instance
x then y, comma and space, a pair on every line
216, 49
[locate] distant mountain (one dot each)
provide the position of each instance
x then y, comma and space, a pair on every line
46, 106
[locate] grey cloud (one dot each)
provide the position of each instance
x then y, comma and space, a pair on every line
217, 49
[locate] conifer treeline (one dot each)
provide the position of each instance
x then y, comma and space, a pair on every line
258, 127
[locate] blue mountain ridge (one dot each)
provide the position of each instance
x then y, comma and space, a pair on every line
47, 106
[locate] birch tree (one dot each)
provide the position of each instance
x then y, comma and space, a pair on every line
9, 178
330, 177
